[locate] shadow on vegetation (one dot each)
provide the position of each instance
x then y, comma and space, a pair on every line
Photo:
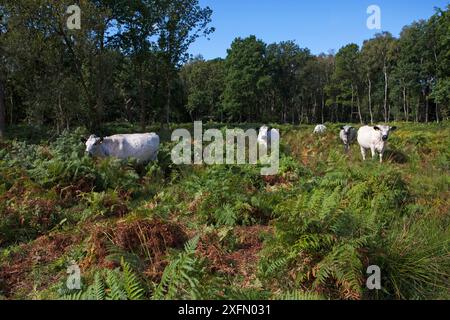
396, 156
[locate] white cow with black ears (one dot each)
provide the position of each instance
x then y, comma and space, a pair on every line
375, 139
348, 136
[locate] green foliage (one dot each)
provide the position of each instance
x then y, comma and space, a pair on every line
204, 83
182, 277
244, 80
415, 258
309, 232
222, 192
326, 232
112, 285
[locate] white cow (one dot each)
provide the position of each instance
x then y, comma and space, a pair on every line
320, 129
348, 136
143, 147
375, 139
266, 137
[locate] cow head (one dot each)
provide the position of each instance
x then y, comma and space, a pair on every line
263, 132
264, 128
385, 131
347, 131
93, 145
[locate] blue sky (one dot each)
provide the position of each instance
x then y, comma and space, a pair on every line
319, 25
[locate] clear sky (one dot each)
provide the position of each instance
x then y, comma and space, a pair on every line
319, 25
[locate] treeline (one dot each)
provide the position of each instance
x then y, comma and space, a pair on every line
386, 79
129, 61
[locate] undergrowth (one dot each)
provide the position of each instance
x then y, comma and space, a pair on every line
309, 232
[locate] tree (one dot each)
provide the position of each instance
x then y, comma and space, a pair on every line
441, 89
203, 84
347, 73
139, 20
245, 67
3, 29
183, 22
378, 59
130, 61
288, 62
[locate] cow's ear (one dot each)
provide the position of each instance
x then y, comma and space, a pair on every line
393, 128
83, 139
377, 128
101, 140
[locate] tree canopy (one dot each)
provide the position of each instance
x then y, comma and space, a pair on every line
129, 61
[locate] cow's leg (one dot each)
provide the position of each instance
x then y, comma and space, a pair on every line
363, 153
374, 153
381, 157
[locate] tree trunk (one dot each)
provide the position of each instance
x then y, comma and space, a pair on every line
408, 107
418, 109
370, 100
60, 120
404, 104
293, 111
386, 117
142, 105
359, 107
100, 81
314, 117
2, 109
99, 108
11, 108
436, 78
169, 98
353, 104
323, 107
301, 112
437, 112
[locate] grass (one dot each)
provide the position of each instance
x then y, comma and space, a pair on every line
225, 232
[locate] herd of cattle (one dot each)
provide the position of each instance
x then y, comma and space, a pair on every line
368, 137
144, 147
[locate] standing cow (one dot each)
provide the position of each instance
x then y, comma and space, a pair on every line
348, 136
143, 147
375, 139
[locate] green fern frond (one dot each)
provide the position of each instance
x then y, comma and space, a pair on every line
98, 288
131, 283
344, 266
180, 275
116, 254
115, 285
276, 266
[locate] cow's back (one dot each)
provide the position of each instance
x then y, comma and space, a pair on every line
141, 146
